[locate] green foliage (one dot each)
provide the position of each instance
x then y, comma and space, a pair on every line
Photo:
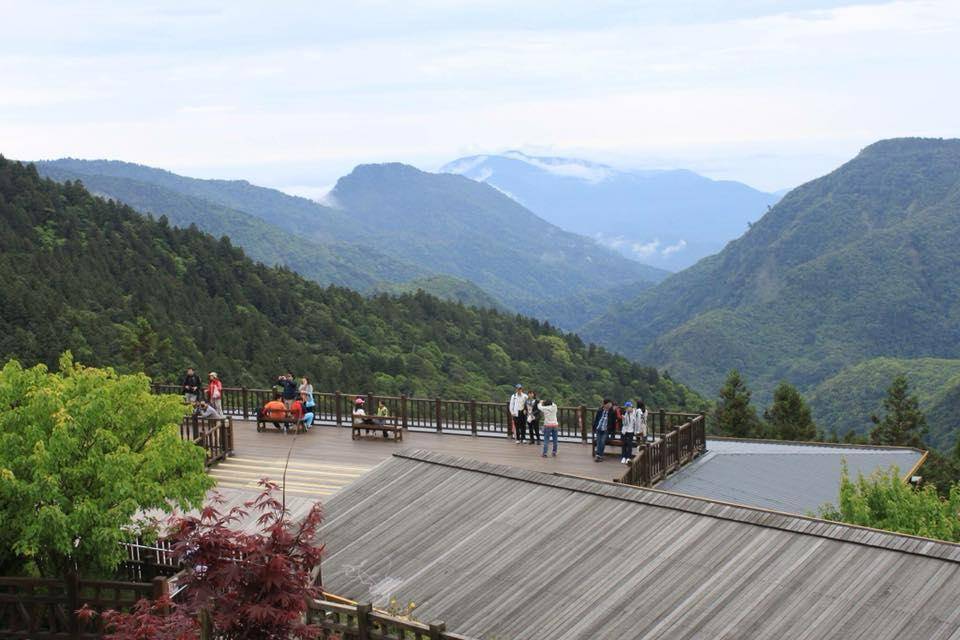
788, 418
904, 424
139, 295
81, 452
884, 501
446, 288
857, 264
846, 401
734, 416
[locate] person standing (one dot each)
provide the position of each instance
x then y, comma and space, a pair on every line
517, 410
191, 387
550, 425
532, 408
641, 421
630, 427
288, 389
215, 392
602, 422
306, 388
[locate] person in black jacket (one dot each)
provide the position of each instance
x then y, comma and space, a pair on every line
603, 423
192, 390
290, 390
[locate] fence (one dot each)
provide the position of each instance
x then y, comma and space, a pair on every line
361, 622
430, 414
42, 609
214, 436
669, 452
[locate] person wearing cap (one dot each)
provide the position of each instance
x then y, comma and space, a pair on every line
518, 405
359, 411
215, 391
630, 427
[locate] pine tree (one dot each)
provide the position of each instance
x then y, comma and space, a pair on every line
904, 425
788, 418
735, 416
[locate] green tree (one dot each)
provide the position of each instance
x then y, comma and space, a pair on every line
904, 424
734, 416
82, 452
884, 501
788, 418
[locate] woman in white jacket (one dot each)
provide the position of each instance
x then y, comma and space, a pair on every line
550, 425
634, 426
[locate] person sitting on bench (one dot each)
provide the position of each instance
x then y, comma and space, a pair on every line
358, 411
275, 411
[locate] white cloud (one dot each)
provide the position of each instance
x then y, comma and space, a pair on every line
587, 171
674, 248
645, 249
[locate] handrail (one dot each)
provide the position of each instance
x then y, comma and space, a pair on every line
353, 622
477, 417
673, 450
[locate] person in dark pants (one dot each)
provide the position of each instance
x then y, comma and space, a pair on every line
532, 408
602, 423
191, 387
518, 413
630, 427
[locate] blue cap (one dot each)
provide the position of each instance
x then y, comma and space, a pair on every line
518, 386
628, 404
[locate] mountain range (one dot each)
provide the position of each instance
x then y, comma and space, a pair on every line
856, 265
669, 218
387, 224
120, 289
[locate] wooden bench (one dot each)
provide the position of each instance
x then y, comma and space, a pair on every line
288, 418
384, 424
614, 444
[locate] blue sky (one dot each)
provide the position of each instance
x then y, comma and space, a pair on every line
293, 95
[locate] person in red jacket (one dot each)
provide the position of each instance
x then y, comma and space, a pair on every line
215, 391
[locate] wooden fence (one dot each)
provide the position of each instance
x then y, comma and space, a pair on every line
361, 622
430, 414
42, 609
215, 437
679, 446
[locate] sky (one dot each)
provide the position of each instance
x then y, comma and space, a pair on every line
293, 95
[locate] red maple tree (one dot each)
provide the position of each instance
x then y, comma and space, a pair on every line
242, 585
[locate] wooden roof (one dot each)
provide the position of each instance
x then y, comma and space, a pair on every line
502, 552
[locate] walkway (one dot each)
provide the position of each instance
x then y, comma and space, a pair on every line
326, 459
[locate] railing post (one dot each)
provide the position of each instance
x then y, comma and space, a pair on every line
436, 402
73, 603
473, 417
582, 413
403, 410
363, 621
663, 423
338, 408
436, 630
369, 400
244, 402
702, 433
195, 427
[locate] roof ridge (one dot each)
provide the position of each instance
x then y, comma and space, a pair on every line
804, 525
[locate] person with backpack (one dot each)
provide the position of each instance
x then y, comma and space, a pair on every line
550, 425
603, 422
518, 407
191, 387
532, 409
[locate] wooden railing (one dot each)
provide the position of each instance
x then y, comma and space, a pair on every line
41, 609
362, 622
214, 436
670, 451
430, 414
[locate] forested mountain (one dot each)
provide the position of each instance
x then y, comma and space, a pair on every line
470, 230
117, 288
668, 219
339, 263
846, 401
425, 224
857, 264
447, 288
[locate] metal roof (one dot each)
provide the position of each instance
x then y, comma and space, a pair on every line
791, 477
507, 553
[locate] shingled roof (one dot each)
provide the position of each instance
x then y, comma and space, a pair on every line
797, 477
502, 552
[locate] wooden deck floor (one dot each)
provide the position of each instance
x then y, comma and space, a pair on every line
326, 458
